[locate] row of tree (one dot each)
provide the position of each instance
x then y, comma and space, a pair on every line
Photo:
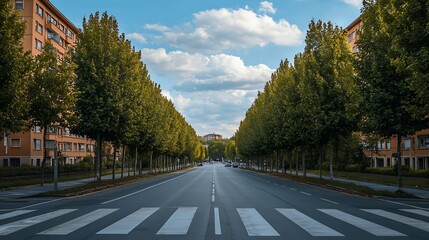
101, 90
329, 93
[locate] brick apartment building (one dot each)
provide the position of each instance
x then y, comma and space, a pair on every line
415, 148
45, 23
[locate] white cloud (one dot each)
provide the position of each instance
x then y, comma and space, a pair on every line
198, 72
136, 36
267, 7
355, 3
219, 29
156, 27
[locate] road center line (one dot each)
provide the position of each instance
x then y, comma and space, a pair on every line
292, 189
218, 230
144, 189
306, 193
213, 198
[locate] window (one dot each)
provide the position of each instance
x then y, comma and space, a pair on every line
19, 4
37, 129
39, 10
50, 130
66, 131
388, 144
74, 147
38, 44
15, 162
90, 147
52, 20
37, 144
355, 49
39, 28
61, 27
81, 147
70, 34
60, 132
424, 142
407, 143
68, 147
15, 143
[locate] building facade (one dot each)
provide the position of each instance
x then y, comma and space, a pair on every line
414, 149
212, 136
45, 23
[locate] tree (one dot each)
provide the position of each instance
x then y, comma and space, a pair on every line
98, 80
410, 32
329, 92
52, 92
15, 70
389, 87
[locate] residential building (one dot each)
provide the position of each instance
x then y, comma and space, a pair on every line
212, 136
45, 23
414, 149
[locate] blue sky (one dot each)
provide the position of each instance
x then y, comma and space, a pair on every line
211, 57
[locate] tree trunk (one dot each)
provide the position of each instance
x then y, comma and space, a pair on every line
114, 163
320, 161
399, 163
135, 162
42, 181
331, 171
304, 171
150, 161
123, 161
98, 157
297, 164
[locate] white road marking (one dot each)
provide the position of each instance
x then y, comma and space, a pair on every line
292, 189
82, 221
213, 198
213, 191
417, 211
14, 214
310, 225
255, 224
142, 190
127, 224
306, 193
403, 204
324, 199
402, 219
179, 222
218, 230
38, 204
363, 224
21, 224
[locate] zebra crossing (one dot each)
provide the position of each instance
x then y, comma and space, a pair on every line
253, 222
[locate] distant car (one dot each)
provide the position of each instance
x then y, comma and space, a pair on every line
200, 165
235, 165
228, 165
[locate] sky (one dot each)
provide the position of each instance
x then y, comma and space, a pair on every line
211, 57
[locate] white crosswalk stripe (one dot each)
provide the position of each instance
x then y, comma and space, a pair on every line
21, 224
179, 222
399, 218
313, 227
255, 224
14, 214
79, 222
363, 224
127, 224
417, 211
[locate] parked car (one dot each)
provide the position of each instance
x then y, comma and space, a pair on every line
200, 165
235, 165
228, 165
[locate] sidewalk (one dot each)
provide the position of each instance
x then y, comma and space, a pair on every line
420, 193
26, 191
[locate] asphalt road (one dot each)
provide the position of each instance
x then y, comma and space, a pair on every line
215, 202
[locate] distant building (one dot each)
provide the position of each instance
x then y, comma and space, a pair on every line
414, 148
45, 23
212, 136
